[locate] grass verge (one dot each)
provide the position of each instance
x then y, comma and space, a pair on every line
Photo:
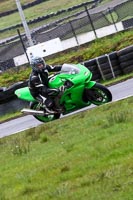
84, 156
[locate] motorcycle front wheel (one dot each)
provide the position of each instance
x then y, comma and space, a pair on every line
98, 94
45, 118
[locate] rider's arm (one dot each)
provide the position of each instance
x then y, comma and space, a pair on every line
37, 87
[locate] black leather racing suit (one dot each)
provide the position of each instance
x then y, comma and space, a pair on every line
38, 83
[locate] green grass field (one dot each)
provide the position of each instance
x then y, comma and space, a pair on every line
11, 4
88, 155
6, 5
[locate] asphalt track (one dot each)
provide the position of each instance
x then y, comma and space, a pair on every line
119, 91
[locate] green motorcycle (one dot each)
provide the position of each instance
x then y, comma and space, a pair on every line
76, 91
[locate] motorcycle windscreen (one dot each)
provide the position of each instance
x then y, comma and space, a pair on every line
24, 94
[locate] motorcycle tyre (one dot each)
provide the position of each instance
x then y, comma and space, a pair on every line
44, 119
100, 88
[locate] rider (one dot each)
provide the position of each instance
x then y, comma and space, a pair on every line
38, 81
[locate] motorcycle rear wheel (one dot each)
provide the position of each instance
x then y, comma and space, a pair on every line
45, 118
98, 94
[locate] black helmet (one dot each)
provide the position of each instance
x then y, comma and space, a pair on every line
38, 64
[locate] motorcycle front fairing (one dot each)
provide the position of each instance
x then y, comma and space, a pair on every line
78, 75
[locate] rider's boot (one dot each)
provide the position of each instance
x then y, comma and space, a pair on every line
46, 102
50, 105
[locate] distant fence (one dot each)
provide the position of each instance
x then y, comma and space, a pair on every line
87, 20
67, 12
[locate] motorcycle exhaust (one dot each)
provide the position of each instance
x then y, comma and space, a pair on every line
32, 112
36, 112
